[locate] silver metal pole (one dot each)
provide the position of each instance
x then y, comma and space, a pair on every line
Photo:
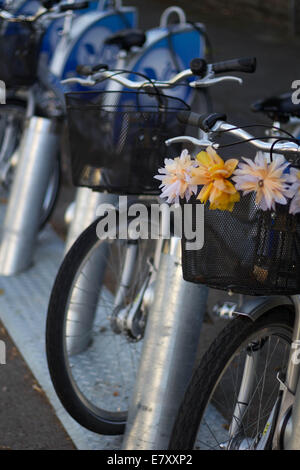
83, 303
169, 351
79, 333
85, 205
36, 160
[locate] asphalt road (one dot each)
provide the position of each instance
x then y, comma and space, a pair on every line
27, 420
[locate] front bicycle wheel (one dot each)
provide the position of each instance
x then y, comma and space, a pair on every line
231, 401
95, 327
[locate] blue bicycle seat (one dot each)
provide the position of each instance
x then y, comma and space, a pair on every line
127, 38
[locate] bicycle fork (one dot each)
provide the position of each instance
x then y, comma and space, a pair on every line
169, 351
289, 418
282, 429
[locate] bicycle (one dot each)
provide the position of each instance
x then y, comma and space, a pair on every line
56, 28
44, 119
243, 394
158, 53
91, 400
13, 114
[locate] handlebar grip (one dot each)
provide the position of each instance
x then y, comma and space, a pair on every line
204, 121
198, 67
74, 6
84, 70
97, 67
246, 64
49, 3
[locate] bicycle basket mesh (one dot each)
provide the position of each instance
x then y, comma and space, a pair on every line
246, 251
19, 51
117, 139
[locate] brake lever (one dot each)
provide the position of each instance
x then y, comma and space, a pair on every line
191, 140
206, 81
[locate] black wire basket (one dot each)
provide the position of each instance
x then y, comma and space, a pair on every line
19, 52
117, 139
246, 251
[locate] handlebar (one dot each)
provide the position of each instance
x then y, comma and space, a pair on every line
48, 7
214, 123
205, 75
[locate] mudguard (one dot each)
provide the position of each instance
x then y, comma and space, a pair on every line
255, 307
85, 44
167, 51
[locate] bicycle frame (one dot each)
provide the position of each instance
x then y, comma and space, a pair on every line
286, 429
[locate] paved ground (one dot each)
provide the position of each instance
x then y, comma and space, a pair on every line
26, 418
27, 421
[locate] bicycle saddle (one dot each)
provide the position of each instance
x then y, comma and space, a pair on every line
127, 39
279, 107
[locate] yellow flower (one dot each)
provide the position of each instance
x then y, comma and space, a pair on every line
213, 174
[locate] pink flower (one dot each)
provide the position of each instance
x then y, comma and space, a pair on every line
267, 180
176, 178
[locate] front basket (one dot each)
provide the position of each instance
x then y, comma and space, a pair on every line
117, 139
19, 52
246, 251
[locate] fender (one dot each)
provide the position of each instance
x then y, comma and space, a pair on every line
255, 307
85, 44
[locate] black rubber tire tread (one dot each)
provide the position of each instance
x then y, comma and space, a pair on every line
211, 366
80, 411
54, 197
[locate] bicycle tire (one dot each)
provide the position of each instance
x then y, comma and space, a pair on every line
52, 194
85, 413
206, 376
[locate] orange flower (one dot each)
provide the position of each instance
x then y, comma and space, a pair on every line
213, 174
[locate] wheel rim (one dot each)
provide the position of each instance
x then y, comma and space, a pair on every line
215, 430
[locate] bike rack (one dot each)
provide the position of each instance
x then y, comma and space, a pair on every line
84, 212
169, 352
39, 144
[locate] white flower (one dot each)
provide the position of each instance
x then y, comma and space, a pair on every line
176, 178
267, 180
